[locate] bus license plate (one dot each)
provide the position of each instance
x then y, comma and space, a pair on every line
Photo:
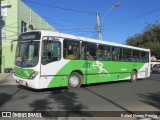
21, 82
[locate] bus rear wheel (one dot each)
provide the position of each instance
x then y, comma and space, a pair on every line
75, 80
133, 76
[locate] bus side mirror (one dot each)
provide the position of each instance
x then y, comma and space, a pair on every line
12, 44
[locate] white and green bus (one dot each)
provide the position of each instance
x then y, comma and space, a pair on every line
46, 59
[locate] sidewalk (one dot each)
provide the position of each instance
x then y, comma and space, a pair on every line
7, 79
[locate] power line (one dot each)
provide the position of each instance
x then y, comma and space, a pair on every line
69, 23
134, 17
12, 31
48, 17
76, 29
57, 7
94, 31
9, 24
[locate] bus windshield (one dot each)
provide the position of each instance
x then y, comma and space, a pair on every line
27, 53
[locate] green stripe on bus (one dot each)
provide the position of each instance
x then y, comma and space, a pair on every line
113, 71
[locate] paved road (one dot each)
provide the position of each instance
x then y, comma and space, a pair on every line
143, 95
6, 79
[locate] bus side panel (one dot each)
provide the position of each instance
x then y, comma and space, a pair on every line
50, 76
95, 71
61, 77
144, 71
103, 71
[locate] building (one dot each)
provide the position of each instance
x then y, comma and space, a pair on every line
18, 18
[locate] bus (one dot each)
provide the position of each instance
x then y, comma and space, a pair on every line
47, 59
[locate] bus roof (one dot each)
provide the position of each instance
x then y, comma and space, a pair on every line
63, 35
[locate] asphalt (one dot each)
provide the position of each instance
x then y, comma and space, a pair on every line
7, 79
120, 96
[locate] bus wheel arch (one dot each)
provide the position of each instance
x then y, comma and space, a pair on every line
75, 79
133, 77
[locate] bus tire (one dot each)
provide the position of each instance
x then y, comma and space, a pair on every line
133, 76
75, 80
158, 70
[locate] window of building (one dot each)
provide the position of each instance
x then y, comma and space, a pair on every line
71, 49
4, 38
51, 51
116, 54
136, 56
23, 26
127, 55
104, 53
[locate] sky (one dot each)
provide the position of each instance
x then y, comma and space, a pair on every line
120, 23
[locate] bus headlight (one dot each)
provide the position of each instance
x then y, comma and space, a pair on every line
33, 75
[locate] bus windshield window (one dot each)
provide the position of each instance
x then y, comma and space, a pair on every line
27, 54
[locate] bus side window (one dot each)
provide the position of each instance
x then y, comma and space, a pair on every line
136, 56
71, 49
91, 49
127, 55
116, 53
104, 53
144, 57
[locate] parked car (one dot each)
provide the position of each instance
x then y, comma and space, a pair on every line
156, 68
155, 62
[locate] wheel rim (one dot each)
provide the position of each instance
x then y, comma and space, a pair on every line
74, 81
133, 76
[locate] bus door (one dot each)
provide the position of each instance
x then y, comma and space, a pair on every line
51, 54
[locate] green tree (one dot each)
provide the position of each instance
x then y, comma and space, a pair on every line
149, 39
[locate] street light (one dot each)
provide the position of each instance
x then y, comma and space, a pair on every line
98, 20
116, 5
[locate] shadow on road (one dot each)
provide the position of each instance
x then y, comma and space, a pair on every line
108, 100
152, 99
41, 90
4, 97
65, 104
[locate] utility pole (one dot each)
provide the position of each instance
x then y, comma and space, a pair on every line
2, 24
99, 27
0, 39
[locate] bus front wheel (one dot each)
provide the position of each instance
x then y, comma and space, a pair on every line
133, 76
75, 80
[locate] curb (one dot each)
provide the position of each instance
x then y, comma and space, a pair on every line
6, 79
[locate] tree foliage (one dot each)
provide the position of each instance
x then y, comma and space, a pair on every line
150, 39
